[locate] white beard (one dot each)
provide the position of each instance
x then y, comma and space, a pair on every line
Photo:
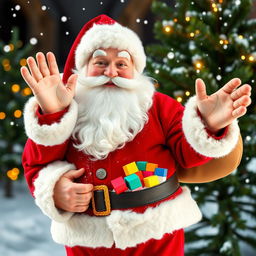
109, 117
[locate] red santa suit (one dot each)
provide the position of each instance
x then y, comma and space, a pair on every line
171, 136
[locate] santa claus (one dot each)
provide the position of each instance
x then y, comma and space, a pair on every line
103, 114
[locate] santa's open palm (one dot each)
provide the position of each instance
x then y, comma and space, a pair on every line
44, 79
224, 106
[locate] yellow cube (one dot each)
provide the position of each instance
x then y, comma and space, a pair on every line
130, 168
150, 167
151, 181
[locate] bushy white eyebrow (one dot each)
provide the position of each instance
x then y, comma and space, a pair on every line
99, 53
124, 54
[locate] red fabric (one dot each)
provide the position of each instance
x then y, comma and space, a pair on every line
70, 62
161, 141
170, 244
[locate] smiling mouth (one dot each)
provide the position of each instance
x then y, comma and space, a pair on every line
110, 84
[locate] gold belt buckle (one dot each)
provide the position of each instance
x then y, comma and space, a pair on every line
106, 200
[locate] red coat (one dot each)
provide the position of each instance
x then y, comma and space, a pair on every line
161, 141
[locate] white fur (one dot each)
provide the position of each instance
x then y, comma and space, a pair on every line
127, 228
49, 135
110, 117
44, 186
110, 36
198, 138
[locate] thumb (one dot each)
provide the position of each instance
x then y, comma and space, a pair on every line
71, 83
200, 90
74, 174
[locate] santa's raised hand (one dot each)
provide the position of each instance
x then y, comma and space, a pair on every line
224, 106
44, 79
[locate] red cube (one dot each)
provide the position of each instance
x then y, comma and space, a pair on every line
119, 185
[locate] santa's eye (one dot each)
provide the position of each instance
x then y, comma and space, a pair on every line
101, 63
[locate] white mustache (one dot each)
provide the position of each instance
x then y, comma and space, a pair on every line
95, 81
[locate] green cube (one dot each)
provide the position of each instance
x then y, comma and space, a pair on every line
141, 165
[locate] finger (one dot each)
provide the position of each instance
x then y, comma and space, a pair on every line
239, 112
34, 69
83, 198
83, 188
74, 174
242, 101
200, 89
31, 82
231, 85
71, 83
81, 208
244, 89
43, 67
53, 67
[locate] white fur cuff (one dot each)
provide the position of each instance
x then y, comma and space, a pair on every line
127, 228
49, 135
198, 138
44, 186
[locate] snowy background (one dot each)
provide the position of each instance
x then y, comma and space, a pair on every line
24, 230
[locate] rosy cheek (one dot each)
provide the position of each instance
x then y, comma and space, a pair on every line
94, 72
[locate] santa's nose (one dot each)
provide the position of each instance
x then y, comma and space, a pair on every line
111, 71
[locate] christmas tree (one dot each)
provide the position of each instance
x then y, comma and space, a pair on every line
13, 94
215, 41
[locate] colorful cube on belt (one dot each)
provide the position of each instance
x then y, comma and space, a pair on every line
119, 185
141, 165
146, 174
161, 172
151, 181
133, 181
140, 174
150, 167
130, 168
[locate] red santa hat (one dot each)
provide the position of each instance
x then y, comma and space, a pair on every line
103, 32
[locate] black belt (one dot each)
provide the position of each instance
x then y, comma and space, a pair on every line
104, 201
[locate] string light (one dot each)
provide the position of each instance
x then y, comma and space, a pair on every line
13, 173
175, 20
26, 92
251, 58
241, 37
214, 7
23, 62
17, 113
198, 64
11, 47
192, 34
179, 99
15, 88
168, 29
187, 93
2, 115
243, 57
187, 19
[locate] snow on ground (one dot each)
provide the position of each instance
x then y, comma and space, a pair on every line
24, 230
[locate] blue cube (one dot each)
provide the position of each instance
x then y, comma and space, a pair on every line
162, 172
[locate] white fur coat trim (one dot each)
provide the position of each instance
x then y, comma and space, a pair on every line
49, 135
198, 138
128, 228
44, 186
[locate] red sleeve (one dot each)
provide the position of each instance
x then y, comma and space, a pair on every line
171, 113
35, 156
